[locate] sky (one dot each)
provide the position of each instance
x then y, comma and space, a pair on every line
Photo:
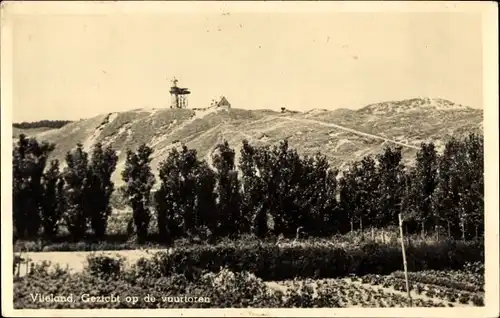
80, 66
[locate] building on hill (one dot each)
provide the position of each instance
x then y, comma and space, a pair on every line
223, 103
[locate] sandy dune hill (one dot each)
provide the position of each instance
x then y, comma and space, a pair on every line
343, 135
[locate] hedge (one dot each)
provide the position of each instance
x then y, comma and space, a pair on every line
270, 262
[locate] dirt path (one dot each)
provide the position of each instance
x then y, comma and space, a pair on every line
312, 121
76, 260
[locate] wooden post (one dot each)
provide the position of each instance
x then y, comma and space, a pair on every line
404, 257
27, 261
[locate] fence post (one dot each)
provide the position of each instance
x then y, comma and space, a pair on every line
27, 262
404, 257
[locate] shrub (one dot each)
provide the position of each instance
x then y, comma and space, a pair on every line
220, 290
476, 268
104, 266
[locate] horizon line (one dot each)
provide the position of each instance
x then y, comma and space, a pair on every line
261, 109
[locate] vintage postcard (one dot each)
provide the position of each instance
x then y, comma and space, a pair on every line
249, 159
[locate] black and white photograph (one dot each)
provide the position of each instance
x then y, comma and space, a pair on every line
249, 158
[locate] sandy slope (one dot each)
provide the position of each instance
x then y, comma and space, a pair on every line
357, 132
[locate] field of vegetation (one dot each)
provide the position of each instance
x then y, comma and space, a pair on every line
159, 283
280, 231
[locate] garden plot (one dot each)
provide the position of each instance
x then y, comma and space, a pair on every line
379, 291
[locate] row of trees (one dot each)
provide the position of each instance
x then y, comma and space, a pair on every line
42, 124
77, 197
440, 193
274, 191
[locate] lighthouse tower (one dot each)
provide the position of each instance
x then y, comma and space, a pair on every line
178, 95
